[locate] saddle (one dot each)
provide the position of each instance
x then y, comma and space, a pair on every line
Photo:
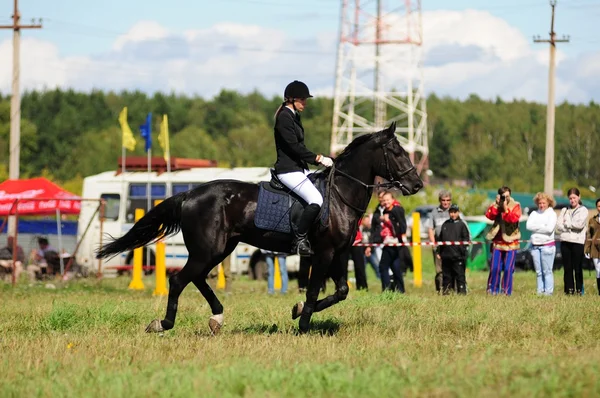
279, 210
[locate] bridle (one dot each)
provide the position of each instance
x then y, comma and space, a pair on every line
391, 183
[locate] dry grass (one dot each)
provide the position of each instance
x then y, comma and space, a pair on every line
87, 339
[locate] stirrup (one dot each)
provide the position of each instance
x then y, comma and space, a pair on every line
302, 246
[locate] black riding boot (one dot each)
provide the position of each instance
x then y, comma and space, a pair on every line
301, 244
598, 283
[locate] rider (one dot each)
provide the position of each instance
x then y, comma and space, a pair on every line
293, 157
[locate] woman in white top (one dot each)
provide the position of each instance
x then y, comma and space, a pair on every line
542, 223
571, 226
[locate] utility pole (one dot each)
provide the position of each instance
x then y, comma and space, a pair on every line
549, 164
15, 101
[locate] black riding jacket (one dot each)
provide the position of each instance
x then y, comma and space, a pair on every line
292, 155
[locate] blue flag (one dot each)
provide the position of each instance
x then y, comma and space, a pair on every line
146, 131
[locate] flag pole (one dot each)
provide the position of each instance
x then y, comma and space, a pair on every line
123, 161
163, 139
148, 183
149, 198
146, 130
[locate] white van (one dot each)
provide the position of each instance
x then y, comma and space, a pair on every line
124, 192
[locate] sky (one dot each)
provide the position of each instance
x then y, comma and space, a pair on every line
199, 47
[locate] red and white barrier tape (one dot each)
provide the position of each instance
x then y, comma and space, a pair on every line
449, 243
427, 243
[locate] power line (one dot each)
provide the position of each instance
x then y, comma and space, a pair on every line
283, 4
223, 47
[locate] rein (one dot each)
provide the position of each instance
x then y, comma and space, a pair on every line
392, 182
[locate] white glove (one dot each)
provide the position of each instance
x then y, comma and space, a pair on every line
325, 161
587, 255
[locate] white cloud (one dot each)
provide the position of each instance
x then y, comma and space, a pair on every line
464, 51
141, 31
474, 28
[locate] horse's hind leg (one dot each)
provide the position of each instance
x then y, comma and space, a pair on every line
216, 320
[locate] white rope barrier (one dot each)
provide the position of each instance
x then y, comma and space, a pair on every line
444, 243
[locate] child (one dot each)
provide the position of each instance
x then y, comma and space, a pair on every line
454, 257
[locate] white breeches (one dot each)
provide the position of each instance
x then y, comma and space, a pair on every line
301, 186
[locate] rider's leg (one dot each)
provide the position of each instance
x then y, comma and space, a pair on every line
308, 218
303, 187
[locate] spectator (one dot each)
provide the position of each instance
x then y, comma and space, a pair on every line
571, 226
358, 257
505, 235
453, 257
439, 217
393, 227
376, 225
43, 260
6, 258
270, 259
370, 255
592, 243
542, 224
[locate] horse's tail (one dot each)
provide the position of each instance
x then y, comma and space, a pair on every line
161, 221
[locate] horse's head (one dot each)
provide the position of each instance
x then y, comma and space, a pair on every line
395, 165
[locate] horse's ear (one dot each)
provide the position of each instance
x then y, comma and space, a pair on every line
392, 129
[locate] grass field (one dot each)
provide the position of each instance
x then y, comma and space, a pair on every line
87, 339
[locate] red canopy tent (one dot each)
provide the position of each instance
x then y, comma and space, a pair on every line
36, 196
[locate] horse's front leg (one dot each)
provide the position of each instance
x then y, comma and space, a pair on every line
337, 271
317, 276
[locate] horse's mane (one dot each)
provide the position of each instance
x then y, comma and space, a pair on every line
357, 142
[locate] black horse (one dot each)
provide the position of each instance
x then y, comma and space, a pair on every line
217, 215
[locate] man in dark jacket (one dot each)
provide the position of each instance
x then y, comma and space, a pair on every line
454, 257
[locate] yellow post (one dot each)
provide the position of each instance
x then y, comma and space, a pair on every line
416, 236
221, 277
160, 271
138, 257
277, 276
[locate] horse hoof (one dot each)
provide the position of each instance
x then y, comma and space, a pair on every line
215, 323
155, 327
297, 309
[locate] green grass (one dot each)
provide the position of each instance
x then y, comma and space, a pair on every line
87, 338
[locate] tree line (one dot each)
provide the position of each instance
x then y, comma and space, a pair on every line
67, 135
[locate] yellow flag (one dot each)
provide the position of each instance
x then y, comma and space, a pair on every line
128, 139
163, 137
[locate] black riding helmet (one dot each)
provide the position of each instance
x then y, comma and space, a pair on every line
296, 89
